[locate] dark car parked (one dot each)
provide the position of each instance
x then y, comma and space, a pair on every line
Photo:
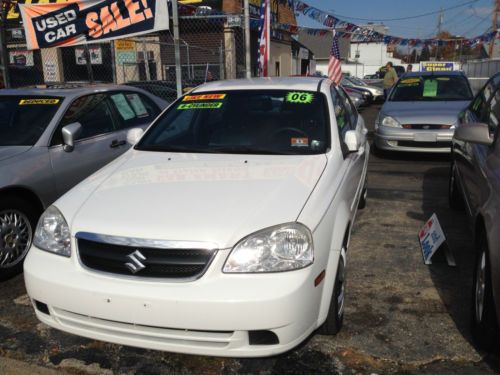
475, 184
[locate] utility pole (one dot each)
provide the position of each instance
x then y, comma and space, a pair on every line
494, 28
439, 27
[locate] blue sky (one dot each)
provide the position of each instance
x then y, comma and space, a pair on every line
469, 21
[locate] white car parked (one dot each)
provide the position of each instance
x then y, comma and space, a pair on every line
223, 232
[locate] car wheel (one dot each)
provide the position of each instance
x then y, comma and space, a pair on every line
364, 195
17, 224
484, 319
335, 317
454, 196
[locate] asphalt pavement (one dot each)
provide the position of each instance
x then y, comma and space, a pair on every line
401, 315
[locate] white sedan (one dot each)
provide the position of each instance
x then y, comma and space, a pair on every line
223, 232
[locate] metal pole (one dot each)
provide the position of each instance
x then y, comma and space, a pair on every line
178, 70
247, 40
494, 25
4, 57
146, 61
89, 64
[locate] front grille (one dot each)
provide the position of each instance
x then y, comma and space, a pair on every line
424, 144
157, 263
426, 126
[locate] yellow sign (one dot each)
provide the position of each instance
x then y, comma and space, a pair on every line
203, 97
13, 13
38, 101
124, 45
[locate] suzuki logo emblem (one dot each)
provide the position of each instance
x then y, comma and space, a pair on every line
135, 264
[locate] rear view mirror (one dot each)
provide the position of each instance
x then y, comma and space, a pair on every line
475, 132
352, 140
70, 133
133, 135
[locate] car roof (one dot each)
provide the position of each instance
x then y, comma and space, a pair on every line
268, 83
69, 92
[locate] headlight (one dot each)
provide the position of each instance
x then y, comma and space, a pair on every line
281, 248
52, 233
390, 121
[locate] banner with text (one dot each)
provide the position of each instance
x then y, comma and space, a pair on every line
90, 21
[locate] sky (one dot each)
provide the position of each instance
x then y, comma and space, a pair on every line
470, 20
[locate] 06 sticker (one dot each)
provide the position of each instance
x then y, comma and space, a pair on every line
299, 97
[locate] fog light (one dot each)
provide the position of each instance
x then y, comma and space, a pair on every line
42, 307
392, 143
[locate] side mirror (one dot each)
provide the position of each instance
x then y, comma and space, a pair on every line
70, 133
352, 140
133, 135
475, 133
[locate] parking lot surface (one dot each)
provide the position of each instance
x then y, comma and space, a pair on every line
401, 315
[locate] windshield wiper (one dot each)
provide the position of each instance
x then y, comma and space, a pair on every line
248, 150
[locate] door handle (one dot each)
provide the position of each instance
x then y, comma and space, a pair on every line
116, 143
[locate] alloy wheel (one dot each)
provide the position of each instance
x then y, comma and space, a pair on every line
15, 237
480, 287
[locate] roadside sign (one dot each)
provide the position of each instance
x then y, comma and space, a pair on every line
431, 237
233, 21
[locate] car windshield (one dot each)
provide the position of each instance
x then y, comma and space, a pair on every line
431, 88
243, 122
357, 81
24, 118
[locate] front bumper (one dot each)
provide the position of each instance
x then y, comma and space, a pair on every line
413, 140
214, 315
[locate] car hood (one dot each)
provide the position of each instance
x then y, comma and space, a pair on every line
444, 112
198, 197
10, 151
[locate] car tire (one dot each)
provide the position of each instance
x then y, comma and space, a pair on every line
455, 198
379, 153
335, 318
17, 228
364, 196
484, 323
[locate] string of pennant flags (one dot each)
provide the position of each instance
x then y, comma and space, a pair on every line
361, 34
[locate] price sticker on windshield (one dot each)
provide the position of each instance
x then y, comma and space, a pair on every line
299, 97
188, 98
38, 101
215, 105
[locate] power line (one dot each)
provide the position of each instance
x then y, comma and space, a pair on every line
409, 17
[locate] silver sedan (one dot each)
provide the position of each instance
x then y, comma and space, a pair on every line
52, 139
421, 112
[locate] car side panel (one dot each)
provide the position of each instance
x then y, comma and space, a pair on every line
31, 170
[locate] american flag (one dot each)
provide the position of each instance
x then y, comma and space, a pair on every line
334, 68
263, 55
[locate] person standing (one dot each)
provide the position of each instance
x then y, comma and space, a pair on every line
390, 78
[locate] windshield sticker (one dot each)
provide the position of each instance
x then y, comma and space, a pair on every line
299, 97
300, 142
215, 105
430, 88
410, 81
443, 78
38, 101
123, 107
188, 98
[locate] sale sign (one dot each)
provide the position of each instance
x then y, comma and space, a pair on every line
89, 21
431, 237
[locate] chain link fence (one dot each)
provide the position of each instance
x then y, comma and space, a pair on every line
212, 47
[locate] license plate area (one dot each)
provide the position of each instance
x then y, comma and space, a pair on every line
424, 137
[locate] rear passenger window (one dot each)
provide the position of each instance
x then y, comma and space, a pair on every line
134, 109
